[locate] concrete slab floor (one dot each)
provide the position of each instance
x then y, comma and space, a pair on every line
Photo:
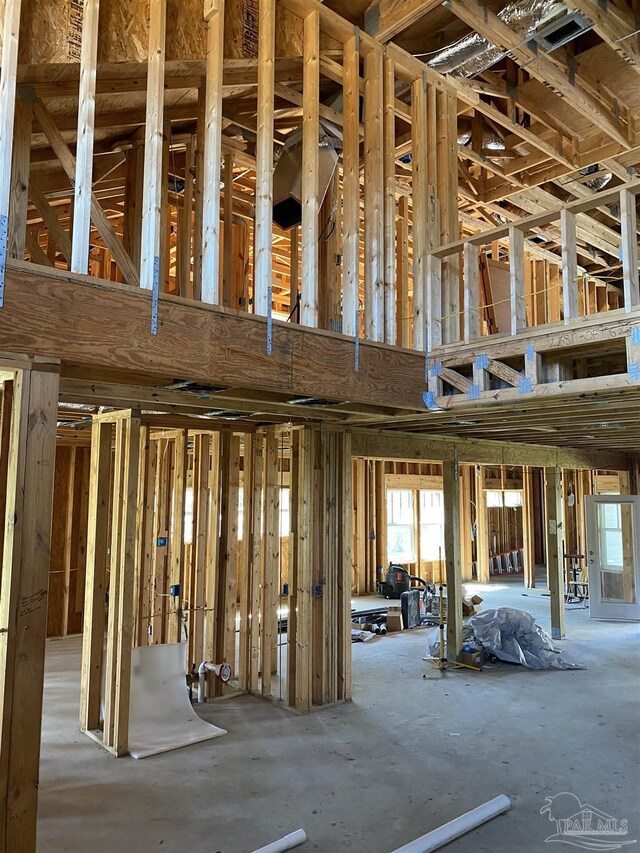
404, 757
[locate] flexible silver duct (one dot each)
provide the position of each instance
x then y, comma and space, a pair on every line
474, 54
490, 139
599, 182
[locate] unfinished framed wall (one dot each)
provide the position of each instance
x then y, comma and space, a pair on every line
185, 544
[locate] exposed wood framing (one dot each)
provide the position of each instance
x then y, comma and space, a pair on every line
23, 597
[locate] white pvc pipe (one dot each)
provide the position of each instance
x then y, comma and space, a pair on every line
287, 843
437, 838
205, 667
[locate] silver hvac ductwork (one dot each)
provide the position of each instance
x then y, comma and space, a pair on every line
490, 139
474, 54
599, 181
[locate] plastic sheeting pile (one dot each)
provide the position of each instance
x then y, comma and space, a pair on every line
511, 635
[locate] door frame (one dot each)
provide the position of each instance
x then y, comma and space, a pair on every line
614, 611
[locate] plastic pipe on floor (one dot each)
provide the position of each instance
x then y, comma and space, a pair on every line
287, 843
222, 670
437, 838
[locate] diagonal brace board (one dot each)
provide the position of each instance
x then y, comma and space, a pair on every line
100, 218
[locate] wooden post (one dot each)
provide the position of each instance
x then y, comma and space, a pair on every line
300, 674
451, 495
146, 542
16, 237
227, 258
227, 592
420, 193
466, 537
471, 292
121, 584
198, 201
150, 260
85, 137
389, 202
212, 553
403, 333
554, 538
373, 197
263, 236
23, 598
447, 181
68, 539
96, 576
351, 186
310, 169
482, 531
214, 16
10, 36
6, 410
201, 494
294, 273
569, 265
629, 234
184, 248
245, 576
516, 280
434, 302
528, 531
176, 565
256, 561
345, 573
270, 586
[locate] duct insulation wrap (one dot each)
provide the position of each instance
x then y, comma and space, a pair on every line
490, 139
599, 182
473, 54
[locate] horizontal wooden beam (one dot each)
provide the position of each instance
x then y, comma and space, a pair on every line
53, 312
583, 331
387, 444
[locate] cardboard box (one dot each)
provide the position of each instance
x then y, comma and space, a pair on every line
475, 599
475, 658
394, 619
467, 607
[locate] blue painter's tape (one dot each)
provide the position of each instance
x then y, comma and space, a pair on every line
634, 370
474, 392
531, 353
429, 399
482, 361
269, 322
525, 386
4, 228
436, 370
155, 297
635, 336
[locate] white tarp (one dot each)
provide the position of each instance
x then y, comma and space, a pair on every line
511, 635
161, 717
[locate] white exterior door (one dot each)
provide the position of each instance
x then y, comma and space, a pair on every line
613, 546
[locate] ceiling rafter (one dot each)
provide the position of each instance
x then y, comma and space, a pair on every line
487, 24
